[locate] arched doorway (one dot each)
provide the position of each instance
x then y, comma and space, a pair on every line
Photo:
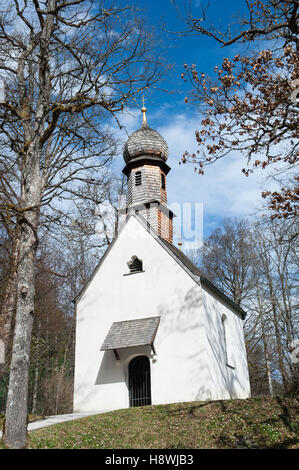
140, 381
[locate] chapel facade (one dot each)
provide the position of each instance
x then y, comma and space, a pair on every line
150, 329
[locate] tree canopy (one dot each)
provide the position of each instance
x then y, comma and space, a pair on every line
250, 104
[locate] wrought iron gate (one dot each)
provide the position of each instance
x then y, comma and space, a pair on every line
140, 381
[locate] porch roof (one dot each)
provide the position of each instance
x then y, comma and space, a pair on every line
128, 333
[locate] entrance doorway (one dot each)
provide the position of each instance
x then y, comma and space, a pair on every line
140, 381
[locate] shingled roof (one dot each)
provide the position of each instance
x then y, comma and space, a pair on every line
145, 141
182, 258
124, 334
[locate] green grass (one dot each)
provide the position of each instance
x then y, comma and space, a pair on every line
254, 423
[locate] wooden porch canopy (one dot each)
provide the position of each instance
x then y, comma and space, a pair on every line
130, 333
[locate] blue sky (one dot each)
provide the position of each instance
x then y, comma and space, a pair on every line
223, 190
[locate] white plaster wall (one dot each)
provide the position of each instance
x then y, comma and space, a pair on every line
225, 381
180, 372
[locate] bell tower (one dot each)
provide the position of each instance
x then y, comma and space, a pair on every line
145, 154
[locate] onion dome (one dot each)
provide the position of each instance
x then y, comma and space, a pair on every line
145, 142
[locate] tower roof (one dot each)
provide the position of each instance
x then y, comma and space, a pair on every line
145, 142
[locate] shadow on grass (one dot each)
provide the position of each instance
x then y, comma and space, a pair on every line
244, 442
189, 410
286, 416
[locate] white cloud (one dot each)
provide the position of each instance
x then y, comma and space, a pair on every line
224, 189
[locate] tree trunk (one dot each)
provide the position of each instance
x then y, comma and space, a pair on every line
277, 336
264, 256
269, 378
9, 304
36, 371
264, 338
35, 386
266, 354
62, 371
15, 432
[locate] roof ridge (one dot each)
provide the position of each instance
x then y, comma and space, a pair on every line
138, 319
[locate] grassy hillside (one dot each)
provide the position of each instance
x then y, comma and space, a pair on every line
254, 423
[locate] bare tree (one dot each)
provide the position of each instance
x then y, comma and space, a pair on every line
280, 290
53, 330
250, 105
67, 68
258, 329
228, 257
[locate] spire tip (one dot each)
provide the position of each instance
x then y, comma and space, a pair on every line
143, 110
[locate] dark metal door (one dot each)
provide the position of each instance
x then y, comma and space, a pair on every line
140, 381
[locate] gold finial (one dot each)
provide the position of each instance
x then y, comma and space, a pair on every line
143, 110
180, 244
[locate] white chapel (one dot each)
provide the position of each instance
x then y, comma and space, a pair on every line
150, 329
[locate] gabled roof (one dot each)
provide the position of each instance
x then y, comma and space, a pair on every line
195, 271
179, 257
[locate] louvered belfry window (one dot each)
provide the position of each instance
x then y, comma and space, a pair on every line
135, 264
138, 179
